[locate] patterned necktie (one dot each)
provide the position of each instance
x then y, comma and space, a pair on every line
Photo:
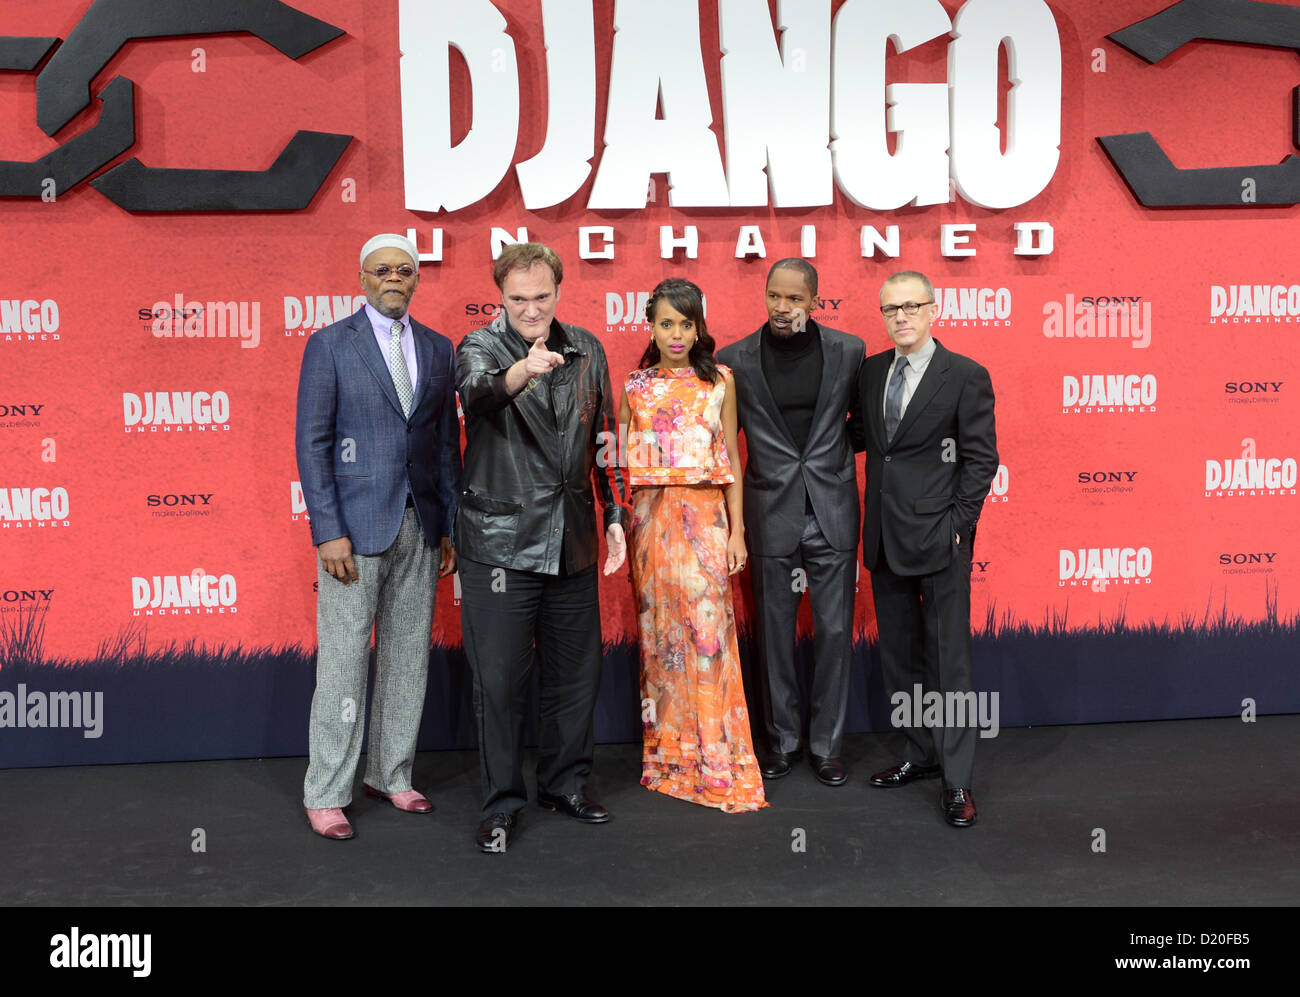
401, 376
894, 400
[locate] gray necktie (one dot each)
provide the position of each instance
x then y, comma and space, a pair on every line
894, 400
401, 376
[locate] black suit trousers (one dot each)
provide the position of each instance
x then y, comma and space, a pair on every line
504, 614
924, 623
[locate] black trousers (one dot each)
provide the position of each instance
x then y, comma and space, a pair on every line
828, 576
924, 623
504, 614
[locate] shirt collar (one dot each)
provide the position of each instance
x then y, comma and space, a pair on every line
920, 358
381, 323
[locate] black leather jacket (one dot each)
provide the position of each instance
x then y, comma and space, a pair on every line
532, 458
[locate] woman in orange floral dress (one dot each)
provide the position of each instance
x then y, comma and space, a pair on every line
678, 416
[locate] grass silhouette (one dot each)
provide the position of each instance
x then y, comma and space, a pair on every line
191, 700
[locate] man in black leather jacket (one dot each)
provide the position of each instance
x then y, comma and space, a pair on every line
537, 403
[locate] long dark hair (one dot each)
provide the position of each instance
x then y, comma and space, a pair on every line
687, 300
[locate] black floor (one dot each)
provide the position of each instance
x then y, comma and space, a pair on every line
1194, 812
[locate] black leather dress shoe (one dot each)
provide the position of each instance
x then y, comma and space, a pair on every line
494, 833
575, 805
829, 771
958, 807
778, 764
901, 775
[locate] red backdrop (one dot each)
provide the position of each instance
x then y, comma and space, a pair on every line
1210, 104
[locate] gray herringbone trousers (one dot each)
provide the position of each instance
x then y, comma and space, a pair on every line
395, 592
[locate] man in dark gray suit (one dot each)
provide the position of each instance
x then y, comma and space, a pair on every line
378, 446
794, 384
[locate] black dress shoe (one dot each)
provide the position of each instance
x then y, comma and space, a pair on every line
901, 775
575, 805
829, 771
494, 833
778, 764
958, 807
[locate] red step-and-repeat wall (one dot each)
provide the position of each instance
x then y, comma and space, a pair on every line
183, 196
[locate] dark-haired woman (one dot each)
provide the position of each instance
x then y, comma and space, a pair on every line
678, 415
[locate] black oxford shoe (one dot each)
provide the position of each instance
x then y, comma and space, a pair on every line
494, 833
575, 805
901, 775
958, 807
829, 771
778, 764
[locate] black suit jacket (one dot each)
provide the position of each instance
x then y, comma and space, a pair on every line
776, 472
930, 482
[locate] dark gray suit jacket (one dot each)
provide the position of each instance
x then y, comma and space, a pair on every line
776, 472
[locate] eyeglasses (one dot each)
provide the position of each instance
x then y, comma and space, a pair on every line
405, 271
909, 308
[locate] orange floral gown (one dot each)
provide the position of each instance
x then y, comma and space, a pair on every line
697, 743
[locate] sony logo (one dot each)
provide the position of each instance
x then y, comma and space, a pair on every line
1098, 477
1259, 558
169, 500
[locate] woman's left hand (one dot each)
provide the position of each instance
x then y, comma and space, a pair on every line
737, 555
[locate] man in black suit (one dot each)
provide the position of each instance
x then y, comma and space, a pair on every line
795, 382
925, 416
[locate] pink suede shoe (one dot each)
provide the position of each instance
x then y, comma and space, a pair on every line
329, 823
410, 800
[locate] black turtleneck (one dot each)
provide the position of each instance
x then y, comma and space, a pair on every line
793, 368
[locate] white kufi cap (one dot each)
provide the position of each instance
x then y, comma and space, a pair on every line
390, 240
